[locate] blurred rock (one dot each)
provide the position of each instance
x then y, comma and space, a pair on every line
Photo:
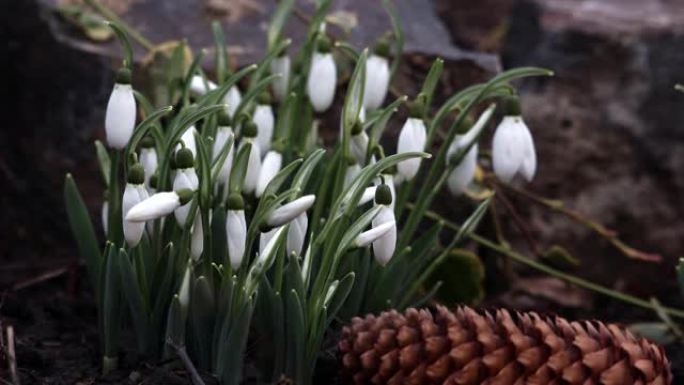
607, 126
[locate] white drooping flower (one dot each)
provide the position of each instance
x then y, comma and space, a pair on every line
322, 80
265, 238
264, 120
188, 139
199, 87
236, 230
296, 234
158, 205
121, 112
197, 238
281, 66
254, 161
411, 138
104, 216
232, 100
134, 193
464, 172
186, 178
377, 81
369, 236
149, 162
224, 133
289, 211
384, 246
271, 165
513, 149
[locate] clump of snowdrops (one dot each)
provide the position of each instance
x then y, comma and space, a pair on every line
226, 218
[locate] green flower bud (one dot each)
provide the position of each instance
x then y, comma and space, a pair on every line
154, 181
382, 48
324, 44
235, 202
123, 76
147, 142
383, 195
357, 128
224, 119
185, 196
184, 158
136, 174
511, 106
264, 98
249, 129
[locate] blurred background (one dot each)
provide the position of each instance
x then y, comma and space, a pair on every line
607, 127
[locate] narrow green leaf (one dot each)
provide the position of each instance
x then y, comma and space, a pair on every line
296, 335
398, 36
221, 55
202, 310
340, 296
103, 161
254, 91
142, 129
82, 228
235, 347
280, 178
353, 101
264, 65
175, 327
304, 173
125, 43
280, 16
239, 170
473, 220
134, 297
112, 303
431, 81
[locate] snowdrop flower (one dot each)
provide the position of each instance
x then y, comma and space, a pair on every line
186, 178
358, 143
513, 150
199, 86
249, 132
383, 246
265, 238
377, 77
264, 120
121, 111
224, 133
134, 193
322, 80
464, 172
297, 233
411, 138
188, 139
287, 212
367, 237
236, 230
159, 205
197, 239
232, 100
148, 158
281, 66
271, 165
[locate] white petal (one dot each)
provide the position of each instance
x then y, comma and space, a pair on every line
236, 233
156, 206
253, 167
232, 99
411, 138
322, 81
281, 66
269, 168
507, 149
264, 120
297, 233
104, 214
197, 240
351, 173
289, 211
184, 179
120, 116
367, 237
377, 82
222, 136
149, 161
462, 175
265, 238
358, 146
529, 164
383, 247
133, 231
198, 87
188, 138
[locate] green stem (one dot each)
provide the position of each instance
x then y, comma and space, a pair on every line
556, 273
109, 14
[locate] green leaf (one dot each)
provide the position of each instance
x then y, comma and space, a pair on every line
221, 55
254, 92
264, 65
136, 304
82, 228
473, 220
680, 275
280, 178
175, 326
239, 170
431, 81
234, 347
187, 81
202, 310
111, 306
340, 296
205, 181
398, 36
560, 258
462, 275
264, 261
353, 101
294, 276
143, 127
296, 337
304, 173
280, 16
347, 49
380, 124
103, 161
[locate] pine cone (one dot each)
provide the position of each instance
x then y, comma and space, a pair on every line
466, 347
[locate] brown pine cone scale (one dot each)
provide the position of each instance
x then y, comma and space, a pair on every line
467, 347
